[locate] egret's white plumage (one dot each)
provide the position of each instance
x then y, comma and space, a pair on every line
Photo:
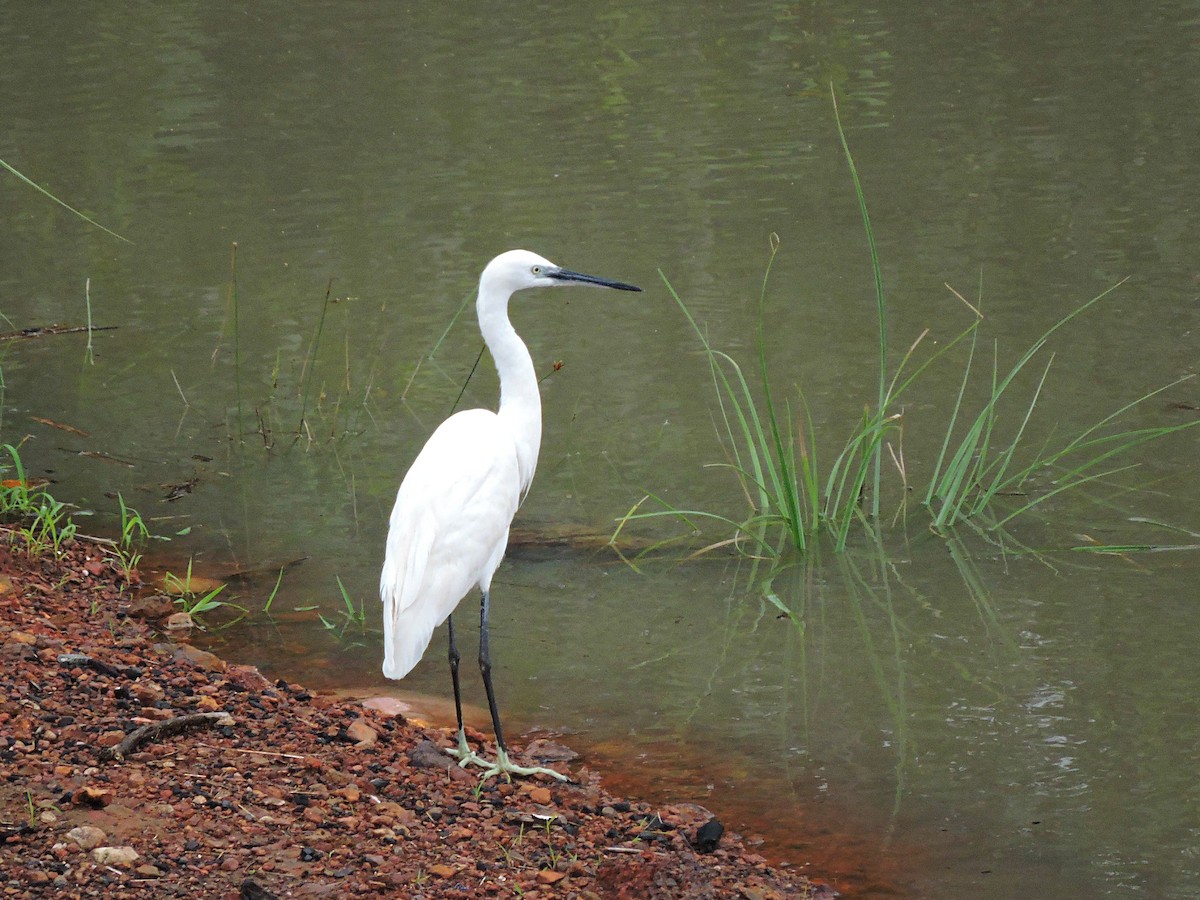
441, 544
449, 527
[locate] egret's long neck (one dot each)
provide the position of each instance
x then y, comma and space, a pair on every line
520, 402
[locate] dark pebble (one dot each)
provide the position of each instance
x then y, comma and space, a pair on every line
708, 836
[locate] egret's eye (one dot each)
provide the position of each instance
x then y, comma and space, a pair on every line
536, 270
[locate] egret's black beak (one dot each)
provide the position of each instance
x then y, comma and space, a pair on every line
568, 275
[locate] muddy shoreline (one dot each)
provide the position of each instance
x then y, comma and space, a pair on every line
140, 767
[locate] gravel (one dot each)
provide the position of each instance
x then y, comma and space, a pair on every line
135, 766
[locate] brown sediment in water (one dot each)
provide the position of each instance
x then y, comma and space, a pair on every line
858, 862
259, 789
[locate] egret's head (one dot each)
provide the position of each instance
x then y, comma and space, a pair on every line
517, 270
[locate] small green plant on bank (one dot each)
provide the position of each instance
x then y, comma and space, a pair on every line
50, 528
551, 851
510, 853
15, 494
42, 522
134, 534
793, 494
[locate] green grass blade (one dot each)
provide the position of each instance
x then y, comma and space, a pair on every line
881, 308
783, 471
67, 206
936, 478
1004, 460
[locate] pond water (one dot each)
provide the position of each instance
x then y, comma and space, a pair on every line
942, 717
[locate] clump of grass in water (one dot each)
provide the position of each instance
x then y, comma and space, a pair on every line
351, 615
972, 471
776, 462
197, 602
353, 619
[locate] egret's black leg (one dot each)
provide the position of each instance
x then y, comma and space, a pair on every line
502, 764
485, 669
454, 660
463, 753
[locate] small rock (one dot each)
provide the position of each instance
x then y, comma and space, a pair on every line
314, 814
115, 856
463, 776
361, 733
549, 876
708, 836
540, 795
110, 738
442, 870
17, 651
87, 836
388, 706
149, 871
248, 677
550, 751
94, 797
252, 890
428, 755
202, 658
153, 607
147, 692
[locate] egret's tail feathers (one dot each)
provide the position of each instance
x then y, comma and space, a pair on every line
405, 637
407, 624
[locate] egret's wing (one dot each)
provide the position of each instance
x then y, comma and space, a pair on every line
448, 530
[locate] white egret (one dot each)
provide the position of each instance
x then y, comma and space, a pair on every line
449, 527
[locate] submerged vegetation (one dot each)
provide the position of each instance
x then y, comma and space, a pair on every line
308, 411
794, 495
